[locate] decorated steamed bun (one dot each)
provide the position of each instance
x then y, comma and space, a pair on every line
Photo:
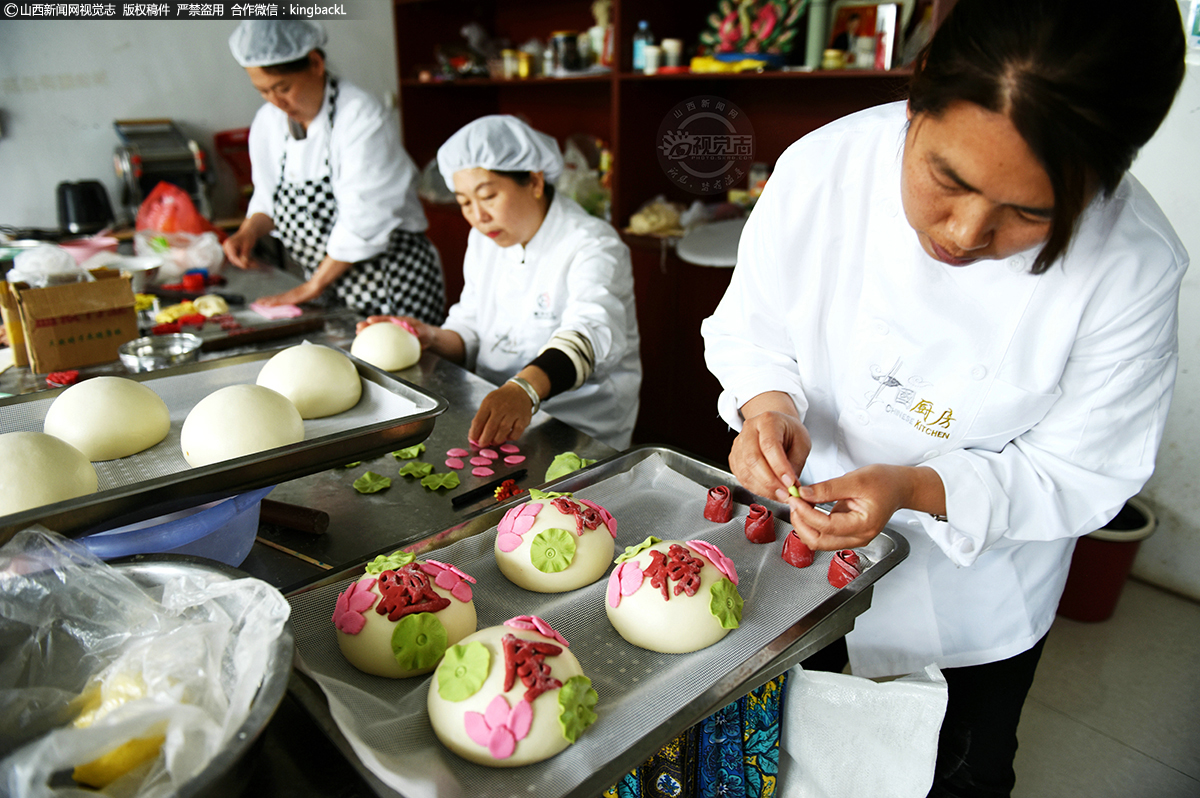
673, 597
400, 617
555, 542
510, 695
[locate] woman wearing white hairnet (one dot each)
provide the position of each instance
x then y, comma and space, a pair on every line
331, 182
547, 309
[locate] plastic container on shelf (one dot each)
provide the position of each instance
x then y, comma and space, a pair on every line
641, 38
222, 530
1101, 562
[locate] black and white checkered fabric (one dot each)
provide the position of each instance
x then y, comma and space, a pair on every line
403, 280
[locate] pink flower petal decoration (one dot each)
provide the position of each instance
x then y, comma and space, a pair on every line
455, 463
350, 606
477, 727
496, 713
514, 459
480, 461
462, 592
510, 448
631, 578
613, 592
716, 557
535, 624
502, 743
605, 516
481, 471
490, 454
456, 571
458, 452
521, 719
508, 542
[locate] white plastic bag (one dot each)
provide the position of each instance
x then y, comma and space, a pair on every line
196, 654
849, 736
46, 264
181, 252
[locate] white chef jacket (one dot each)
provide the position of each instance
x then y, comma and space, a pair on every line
1038, 399
374, 179
573, 275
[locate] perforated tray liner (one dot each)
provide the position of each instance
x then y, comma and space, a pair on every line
386, 723
391, 413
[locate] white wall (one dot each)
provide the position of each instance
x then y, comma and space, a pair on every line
63, 83
1168, 166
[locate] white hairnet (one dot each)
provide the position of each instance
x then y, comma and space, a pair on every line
266, 42
499, 143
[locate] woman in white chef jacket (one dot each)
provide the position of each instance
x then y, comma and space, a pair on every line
331, 181
547, 308
958, 314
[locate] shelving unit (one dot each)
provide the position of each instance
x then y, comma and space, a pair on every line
624, 109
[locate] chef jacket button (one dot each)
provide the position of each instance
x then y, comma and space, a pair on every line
978, 373
913, 522
880, 327
932, 453
1016, 264
862, 417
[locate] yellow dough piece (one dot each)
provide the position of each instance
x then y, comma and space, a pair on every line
113, 764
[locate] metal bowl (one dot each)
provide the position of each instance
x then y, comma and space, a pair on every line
159, 351
230, 768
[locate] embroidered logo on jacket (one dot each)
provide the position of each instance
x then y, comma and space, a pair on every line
920, 412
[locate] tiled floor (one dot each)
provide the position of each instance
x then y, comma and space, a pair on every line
1115, 707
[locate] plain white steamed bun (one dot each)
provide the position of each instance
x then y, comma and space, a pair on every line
108, 417
38, 469
319, 380
238, 420
387, 346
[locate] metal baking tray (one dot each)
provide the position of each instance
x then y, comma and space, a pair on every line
801, 625
392, 414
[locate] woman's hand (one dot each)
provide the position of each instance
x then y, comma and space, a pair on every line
239, 246
503, 416
864, 501
772, 446
305, 292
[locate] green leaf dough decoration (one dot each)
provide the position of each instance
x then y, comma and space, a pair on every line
564, 464
355, 464
449, 481
418, 641
370, 482
552, 550
389, 562
544, 495
793, 491
576, 700
726, 604
409, 452
633, 551
415, 469
463, 671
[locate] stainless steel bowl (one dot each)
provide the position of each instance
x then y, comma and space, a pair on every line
160, 351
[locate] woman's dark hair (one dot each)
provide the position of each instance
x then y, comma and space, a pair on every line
291, 67
1085, 82
522, 179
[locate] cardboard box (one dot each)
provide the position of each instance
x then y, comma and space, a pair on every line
77, 324
12, 323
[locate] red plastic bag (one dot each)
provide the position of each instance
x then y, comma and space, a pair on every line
169, 209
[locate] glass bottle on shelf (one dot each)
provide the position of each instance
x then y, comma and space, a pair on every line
641, 38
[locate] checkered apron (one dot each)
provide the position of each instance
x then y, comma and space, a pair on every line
403, 280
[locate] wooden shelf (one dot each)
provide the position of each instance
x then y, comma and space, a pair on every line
624, 109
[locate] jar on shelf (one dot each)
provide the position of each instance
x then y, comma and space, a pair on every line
566, 51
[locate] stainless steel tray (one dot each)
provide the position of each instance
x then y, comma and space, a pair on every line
392, 414
598, 761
